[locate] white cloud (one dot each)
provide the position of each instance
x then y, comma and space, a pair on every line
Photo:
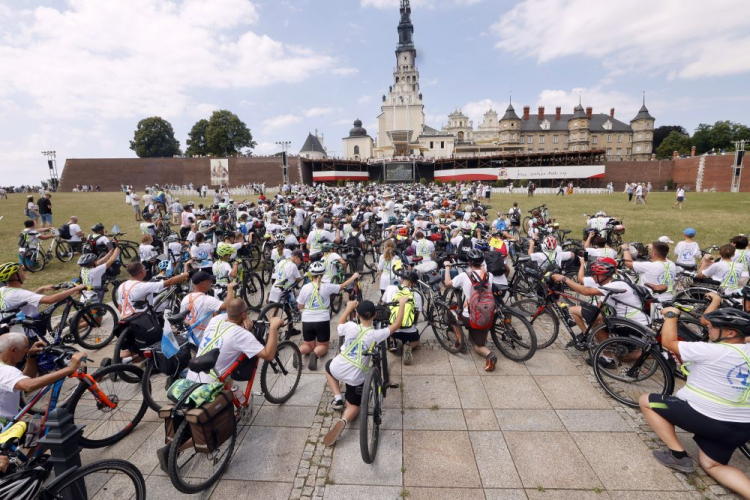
364, 99
312, 112
345, 71
266, 148
394, 4
626, 105
679, 39
280, 121
475, 110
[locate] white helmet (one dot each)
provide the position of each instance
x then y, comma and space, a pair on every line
317, 268
600, 214
549, 243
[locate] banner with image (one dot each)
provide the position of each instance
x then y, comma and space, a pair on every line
219, 172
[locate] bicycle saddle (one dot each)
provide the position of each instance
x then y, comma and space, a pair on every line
613, 291
433, 279
566, 231
178, 318
524, 258
204, 363
140, 304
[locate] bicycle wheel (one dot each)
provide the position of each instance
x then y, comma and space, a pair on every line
526, 225
114, 293
191, 471
745, 449
33, 260
370, 260
252, 290
514, 336
128, 252
254, 256
627, 367
105, 425
120, 346
93, 326
64, 251
266, 271
370, 416
57, 321
271, 311
279, 378
442, 324
545, 322
106, 477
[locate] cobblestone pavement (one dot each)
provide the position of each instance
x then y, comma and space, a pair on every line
542, 429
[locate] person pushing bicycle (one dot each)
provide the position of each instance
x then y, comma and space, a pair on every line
13, 294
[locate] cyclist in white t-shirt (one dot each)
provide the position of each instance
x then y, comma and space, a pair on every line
727, 272
687, 250
203, 307
659, 274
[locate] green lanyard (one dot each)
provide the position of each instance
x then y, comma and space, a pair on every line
356, 358
667, 280
731, 278
219, 333
4, 293
743, 401
315, 296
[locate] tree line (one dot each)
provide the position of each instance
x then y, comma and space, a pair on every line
223, 134
707, 138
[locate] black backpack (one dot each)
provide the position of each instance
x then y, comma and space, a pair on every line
515, 216
495, 263
65, 231
464, 246
353, 243
145, 212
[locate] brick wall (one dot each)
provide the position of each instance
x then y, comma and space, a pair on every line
620, 172
109, 173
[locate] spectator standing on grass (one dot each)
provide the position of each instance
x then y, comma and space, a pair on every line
561, 189
680, 197
135, 200
31, 210
630, 190
128, 201
176, 210
639, 194
76, 234
45, 210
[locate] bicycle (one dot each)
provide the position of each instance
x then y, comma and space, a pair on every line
192, 471
115, 408
33, 478
35, 259
285, 309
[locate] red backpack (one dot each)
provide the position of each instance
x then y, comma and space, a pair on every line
481, 303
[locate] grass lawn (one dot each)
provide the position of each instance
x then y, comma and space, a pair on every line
716, 216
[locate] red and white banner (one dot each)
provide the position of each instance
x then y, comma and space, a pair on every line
335, 175
493, 174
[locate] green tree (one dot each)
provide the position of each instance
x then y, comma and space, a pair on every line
675, 141
154, 138
720, 135
227, 135
196, 141
661, 133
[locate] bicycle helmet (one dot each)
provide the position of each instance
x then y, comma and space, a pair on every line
411, 276
279, 237
732, 319
404, 231
475, 257
318, 268
482, 245
327, 247
604, 266
87, 259
7, 270
600, 214
172, 238
284, 229
98, 227
549, 243
163, 265
224, 249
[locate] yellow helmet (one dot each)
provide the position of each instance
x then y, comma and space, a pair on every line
8, 269
224, 249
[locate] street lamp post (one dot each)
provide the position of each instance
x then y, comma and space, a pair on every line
52, 164
739, 154
284, 163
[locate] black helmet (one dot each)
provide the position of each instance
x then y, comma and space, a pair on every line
475, 257
732, 319
355, 224
98, 227
86, 259
411, 276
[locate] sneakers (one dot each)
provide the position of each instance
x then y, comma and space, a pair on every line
334, 433
681, 464
604, 362
491, 362
312, 365
337, 404
408, 358
162, 454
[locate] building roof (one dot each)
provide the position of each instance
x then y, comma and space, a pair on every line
510, 114
312, 144
643, 114
578, 112
358, 130
596, 124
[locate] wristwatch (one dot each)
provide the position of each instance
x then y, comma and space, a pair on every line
671, 315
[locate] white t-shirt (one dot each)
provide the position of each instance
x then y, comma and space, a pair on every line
232, 342
543, 259
463, 282
221, 270
332, 264
285, 254
686, 252
424, 248
12, 297
316, 238
199, 304
135, 291
390, 208
626, 305
147, 252
728, 274
316, 305
10, 398
187, 219
285, 273
595, 253
74, 230
742, 256
680, 193
202, 254
719, 370
93, 278
388, 297
386, 267
657, 273
340, 368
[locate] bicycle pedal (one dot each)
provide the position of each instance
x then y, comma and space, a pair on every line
394, 386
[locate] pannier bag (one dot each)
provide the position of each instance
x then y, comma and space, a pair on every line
174, 365
145, 330
212, 424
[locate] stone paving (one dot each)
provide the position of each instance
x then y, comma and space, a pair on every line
542, 429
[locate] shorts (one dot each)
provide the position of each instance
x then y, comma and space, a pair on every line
319, 331
137, 209
77, 246
680, 199
477, 337
715, 438
406, 336
46, 218
353, 394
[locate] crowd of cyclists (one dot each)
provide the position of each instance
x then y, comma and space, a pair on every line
236, 282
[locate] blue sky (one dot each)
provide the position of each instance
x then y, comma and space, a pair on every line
78, 75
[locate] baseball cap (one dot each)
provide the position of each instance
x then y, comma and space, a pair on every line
366, 309
202, 276
689, 232
298, 253
665, 239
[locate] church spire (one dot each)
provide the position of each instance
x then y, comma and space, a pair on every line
405, 29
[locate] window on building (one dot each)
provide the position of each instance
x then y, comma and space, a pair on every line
442, 144
619, 137
565, 139
595, 139
640, 136
609, 138
529, 139
573, 148
541, 139
513, 136
648, 147
583, 136
619, 151
609, 151
630, 138
638, 148
504, 137
648, 136
629, 151
574, 137
512, 125
505, 125
432, 144
555, 139
356, 150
